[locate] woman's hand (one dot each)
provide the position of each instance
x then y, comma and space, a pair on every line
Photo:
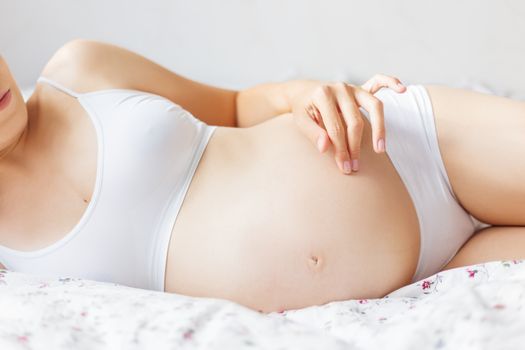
330, 114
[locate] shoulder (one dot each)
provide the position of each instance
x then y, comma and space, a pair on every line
79, 64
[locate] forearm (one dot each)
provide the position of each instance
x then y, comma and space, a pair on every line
265, 101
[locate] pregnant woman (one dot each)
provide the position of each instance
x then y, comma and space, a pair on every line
119, 170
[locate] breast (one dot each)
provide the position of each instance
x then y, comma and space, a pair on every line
271, 223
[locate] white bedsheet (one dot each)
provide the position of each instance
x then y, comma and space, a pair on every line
479, 307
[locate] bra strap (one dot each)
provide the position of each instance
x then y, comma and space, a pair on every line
58, 86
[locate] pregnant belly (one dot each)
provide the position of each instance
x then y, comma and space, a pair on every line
270, 223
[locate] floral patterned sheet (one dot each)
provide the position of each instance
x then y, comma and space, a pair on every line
481, 306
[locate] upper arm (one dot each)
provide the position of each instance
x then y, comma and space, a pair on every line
86, 66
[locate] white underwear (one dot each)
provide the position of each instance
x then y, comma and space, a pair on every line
412, 146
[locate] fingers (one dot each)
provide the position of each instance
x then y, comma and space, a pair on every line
333, 117
323, 141
326, 103
374, 107
354, 121
314, 132
379, 81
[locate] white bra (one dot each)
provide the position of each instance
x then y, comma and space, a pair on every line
148, 151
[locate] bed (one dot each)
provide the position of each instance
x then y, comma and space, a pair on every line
480, 306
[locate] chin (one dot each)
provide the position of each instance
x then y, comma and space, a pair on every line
11, 100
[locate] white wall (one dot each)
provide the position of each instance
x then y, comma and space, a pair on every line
237, 43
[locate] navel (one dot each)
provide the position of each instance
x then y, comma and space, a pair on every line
315, 262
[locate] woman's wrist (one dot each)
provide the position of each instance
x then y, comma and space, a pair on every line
261, 102
296, 90
264, 101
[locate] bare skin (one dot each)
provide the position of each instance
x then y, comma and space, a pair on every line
268, 222
295, 231
481, 138
491, 244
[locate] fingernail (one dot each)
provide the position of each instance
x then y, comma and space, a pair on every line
381, 145
346, 167
355, 165
320, 144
